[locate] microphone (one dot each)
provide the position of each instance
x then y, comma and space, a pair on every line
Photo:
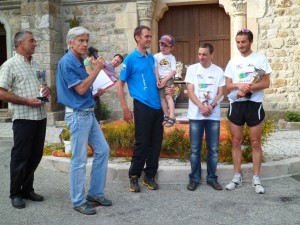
93, 52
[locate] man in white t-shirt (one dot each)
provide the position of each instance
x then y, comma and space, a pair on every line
246, 104
205, 82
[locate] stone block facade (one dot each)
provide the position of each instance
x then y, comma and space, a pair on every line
275, 24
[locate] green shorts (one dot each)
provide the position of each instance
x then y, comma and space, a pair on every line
162, 92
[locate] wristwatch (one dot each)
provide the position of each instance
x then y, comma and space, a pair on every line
213, 106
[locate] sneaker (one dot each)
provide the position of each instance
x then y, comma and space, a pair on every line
236, 182
86, 209
192, 186
215, 185
134, 184
150, 183
259, 189
100, 200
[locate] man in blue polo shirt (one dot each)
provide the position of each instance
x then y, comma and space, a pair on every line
138, 72
74, 91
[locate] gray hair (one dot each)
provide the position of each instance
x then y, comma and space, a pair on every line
20, 36
74, 32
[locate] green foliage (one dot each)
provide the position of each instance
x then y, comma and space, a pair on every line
48, 149
65, 134
119, 137
174, 143
74, 22
292, 117
268, 127
105, 111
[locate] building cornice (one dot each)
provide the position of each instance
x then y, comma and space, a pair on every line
9, 4
88, 2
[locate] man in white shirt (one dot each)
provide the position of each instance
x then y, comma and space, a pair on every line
246, 105
205, 83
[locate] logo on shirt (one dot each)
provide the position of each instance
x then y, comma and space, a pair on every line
204, 85
164, 62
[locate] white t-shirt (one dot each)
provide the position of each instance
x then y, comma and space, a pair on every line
205, 81
239, 69
165, 64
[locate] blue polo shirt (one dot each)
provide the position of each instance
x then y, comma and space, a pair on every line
138, 72
70, 72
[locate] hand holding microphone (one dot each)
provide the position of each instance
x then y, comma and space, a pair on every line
99, 62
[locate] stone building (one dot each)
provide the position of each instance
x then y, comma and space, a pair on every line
275, 24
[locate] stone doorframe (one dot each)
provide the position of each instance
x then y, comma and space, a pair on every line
9, 45
151, 11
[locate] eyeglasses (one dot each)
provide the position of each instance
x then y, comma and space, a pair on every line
163, 45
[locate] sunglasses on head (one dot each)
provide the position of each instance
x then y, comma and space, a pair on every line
244, 30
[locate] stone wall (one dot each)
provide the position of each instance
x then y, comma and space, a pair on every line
111, 26
279, 39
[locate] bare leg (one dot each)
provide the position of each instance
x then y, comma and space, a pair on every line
170, 101
255, 137
164, 106
237, 138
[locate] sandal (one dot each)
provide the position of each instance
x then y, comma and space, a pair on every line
170, 122
166, 118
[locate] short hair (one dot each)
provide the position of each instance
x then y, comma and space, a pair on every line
75, 32
138, 31
209, 46
245, 32
20, 36
120, 56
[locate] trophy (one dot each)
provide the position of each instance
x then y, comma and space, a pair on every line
255, 77
41, 75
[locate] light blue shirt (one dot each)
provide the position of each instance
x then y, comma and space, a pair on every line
70, 72
138, 72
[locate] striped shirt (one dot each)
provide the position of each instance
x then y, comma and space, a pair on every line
20, 78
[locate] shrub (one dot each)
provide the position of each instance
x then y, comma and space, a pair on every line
268, 128
176, 143
292, 117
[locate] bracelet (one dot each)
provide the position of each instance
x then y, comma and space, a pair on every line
213, 106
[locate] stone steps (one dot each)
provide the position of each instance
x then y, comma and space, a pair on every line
5, 116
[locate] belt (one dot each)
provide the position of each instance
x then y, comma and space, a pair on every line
68, 109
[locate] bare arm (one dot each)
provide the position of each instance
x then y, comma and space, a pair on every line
157, 76
128, 117
262, 84
217, 98
7, 96
168, 77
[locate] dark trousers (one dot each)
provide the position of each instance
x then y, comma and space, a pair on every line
26, 154
148, 140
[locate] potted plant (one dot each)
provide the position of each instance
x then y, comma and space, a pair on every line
65, 139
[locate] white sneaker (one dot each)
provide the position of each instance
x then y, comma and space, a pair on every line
236, 182
259, 189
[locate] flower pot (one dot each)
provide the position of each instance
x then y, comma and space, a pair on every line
67, 147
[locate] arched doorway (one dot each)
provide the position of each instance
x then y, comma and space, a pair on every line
192, 25
3, 55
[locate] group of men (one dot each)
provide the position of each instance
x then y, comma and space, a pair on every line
205, 82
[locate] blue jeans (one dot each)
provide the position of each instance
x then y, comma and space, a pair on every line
212, 133
84, 130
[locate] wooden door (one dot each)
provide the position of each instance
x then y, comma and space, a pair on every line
192, 25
